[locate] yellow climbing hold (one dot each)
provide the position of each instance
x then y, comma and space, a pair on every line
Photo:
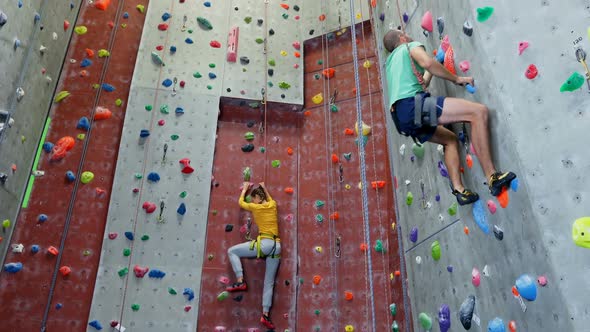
318, 99
80, 30
319, 249
347, 186
140, 8
102, 53
284, 53
87, 177
366, 130
349, 328
367, 64
61, 96
81, 136
359, 16
581, 232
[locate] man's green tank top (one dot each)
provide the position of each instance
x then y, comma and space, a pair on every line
401, 81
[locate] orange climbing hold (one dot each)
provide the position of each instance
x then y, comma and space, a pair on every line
397, 273
297, 54
466, 230
348, 132
328, 73
364, 247
53, 250
469, 160
289, 190
322, 17
66, 142
102, 4
378, 184
374, 3
503, 198
290, 151
450, 60
335, 158
348, 296
307, 113
317, 279
335, 216
89, 53
102, 113
84, 73
65, 270
285, 6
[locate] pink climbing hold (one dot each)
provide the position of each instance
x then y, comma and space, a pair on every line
296, 45
220, 329
149, 207
492, 206
187, 169
112, 236
161, 122
187, 308
215, 44
523, 45
475, 277
445, 43
296, 66
232, 44
542, 280
224, 280
135, 190
472, 149
464, 66
427, 21
140, 271
163, 26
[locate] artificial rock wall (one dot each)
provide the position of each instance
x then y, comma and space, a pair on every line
537, 131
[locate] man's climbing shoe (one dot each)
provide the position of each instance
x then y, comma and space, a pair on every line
499, 181
265, 320
237, 286
466, 197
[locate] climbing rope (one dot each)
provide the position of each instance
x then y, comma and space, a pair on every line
365, 199
264, 88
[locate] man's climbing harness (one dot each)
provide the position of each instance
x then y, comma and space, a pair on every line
256, 244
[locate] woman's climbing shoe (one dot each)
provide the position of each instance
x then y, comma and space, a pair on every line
466, 197
265, 320
499, 181
237, 286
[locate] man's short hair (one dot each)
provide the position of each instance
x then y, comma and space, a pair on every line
391, 40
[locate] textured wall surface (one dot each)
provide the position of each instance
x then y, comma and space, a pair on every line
537, 132
36, 73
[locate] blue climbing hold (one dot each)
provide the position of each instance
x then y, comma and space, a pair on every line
129, 236
42, 218
96, 325
470, 88
72, 5
172, 49
440, 55
480, 217
35, 248
181, 209
37, 18
83, 123
144, 133
212, 76
20, 3
189, 293
154, 177
414, 234
437, 197
70, 176
85, 63
107, 87
450, 268
207, 4
461, 137
13, 267
406, 17
16, 43
165, 17
125, 15
156, 274
382, 17
188, 41
167, 82
514, 185
58, 306
525, 284
48, 146
496, 325
179, 111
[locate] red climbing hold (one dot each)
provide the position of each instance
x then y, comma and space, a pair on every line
297, 54
322, 17
182, 84
290, 151
102, 4
111, 24
112, 236
65, 270
348, 296
469, 160
289, 190
328, 73
503, 198
114, 323
187, 308
67, 142
364, 247
215, 44
348, 132
140, 271
66, 25
89, 53
512, 326
163, 26
450, 60
285, 6
149, 207
377, 184
159, 47
374, 3
161, 122
335, 216
84, 73
335, 158
53, 251
102, 113
531, 72
427, 21
317, 279
187, 169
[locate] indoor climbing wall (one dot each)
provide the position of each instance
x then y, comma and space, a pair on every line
321, 17
523, 58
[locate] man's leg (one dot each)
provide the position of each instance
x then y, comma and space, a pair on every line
448, 139
461, 110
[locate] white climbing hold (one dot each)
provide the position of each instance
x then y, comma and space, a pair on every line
20, 93
441, 217
38, 173
418, 259
407, 182
18, 248
54, 36
42, 49
485, 271
440, 149
402, 150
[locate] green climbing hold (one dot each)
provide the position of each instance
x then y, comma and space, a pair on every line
95, 86
393, 309
394, 327
214, 212
248, 199
484, 13
87, 252
135, 307
164, 109
249, 136
270, 85
247, 19
319, 204
334, 108
209, 87
435, 248
126, 252
145, 237
320, 62
379, 246
285, 16
222, 296
272, 62
275, 163
317, 312
425, 321
61, 96
138, 176
452, 210
262, 149
284, 85
80, 30
183, 194
140, 8
301, 281
211, 65
86, 177
409, 198
81, 136
347, 156
5, 223
102, 53
319, 218
259, 40
316, 76
172, 291
254, 105
122, 272
418, 150
148, 107
247, 173
204, 23
174, 137
197, 75
118, 102
573, 83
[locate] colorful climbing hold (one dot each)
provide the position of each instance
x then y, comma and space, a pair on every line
61, 96
581, 232
418, 150
426, 22
86, 177
573, 83
425, 321
531, 72
435, 249
484, 13
409, 198
479, 215
496, 325
452, 210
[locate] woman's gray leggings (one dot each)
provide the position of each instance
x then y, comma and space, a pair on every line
272, 264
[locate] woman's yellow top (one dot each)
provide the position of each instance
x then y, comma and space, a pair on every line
265, 216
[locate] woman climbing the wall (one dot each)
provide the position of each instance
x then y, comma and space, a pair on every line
267, 245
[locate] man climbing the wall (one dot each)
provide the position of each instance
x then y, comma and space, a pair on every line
267, 245
415, 113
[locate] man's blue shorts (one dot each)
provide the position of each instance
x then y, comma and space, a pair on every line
404, 110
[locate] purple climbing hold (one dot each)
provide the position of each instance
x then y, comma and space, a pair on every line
443, 169
382, 17
167, 82
480, 217
95, 324
406, 17
444, 318
83, 123
450, 268
13, 267
437, 197
414, 234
